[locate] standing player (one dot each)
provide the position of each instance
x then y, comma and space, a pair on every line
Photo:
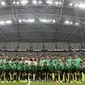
39, 71
58, 71
33, 71
73, 70
18, 68
65, 70
27, 72
13, 71
22, 71
77, 61
42, 60
52, 71
45, 69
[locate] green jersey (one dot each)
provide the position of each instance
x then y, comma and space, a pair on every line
42, 61
8, 66
27, 68
18, 66
4, 60
23, 67
69, 61
65, 67
39, 68
1, 67
47, 61
73, 68
45, 68
77, 61
20, 62
58, 67
54, 61
33, 68
10, 63
51, 68
13, 67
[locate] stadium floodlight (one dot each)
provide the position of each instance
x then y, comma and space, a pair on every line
40, 2
75, 5
49, 2
8, 22
43, 20
56, 3
3, 3
77, 23
24, 2
53, 21
81, 5
17, 3
71, 23
67, 22
31, 20
20, 20
14, 2
34, 2
70, 4
2, 22
24, 20
59, 3
47, 20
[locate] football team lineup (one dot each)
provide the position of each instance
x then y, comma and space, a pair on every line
42, 42
50, 69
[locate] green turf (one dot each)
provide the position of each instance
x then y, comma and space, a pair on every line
42, 83
51, 83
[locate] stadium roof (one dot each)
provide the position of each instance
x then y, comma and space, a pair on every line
42, 21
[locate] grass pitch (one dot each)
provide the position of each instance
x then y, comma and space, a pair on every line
42, 83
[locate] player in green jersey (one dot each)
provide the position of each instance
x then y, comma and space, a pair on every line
68, 60
52, 71
45, 69
22, 71
39, 71
18, 69
12, 71
7, 70
72, 70
42, 60
65, 70
33, 70
2, 71
80, 71
77, 60
58, 70
27, 72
